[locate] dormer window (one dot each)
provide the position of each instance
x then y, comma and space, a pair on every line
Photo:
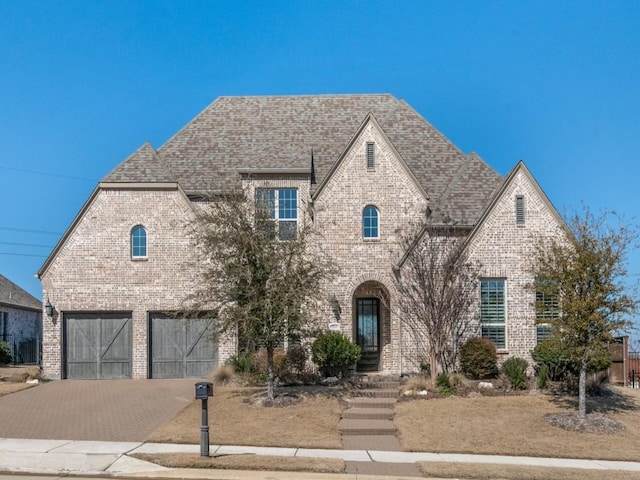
371, 160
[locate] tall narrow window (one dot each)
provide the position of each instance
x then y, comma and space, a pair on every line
370, 222
281, 205
139, 242
547, 309
492, 310
371, 161
519, 209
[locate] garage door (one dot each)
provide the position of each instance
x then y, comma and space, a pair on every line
182, 347
97, 345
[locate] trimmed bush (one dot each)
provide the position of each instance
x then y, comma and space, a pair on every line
5, 353
334, 353
242, 363
516, 371
478, 358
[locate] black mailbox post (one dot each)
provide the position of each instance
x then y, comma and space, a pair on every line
204, 390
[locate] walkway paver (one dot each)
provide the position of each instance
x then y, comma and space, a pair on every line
109, 410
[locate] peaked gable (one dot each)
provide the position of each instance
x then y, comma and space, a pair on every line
14, 296
279, 132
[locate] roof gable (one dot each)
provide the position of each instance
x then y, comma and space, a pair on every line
14, 296
279, 132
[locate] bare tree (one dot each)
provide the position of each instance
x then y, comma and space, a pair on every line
261, 276
586, 272
437, 282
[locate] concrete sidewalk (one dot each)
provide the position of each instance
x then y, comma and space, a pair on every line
55, 457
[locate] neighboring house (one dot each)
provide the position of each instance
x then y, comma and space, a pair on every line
363, 168
20, 322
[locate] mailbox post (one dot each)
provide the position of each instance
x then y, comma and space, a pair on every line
204, 390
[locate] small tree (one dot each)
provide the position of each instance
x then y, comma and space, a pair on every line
585, 271
437, 282
263, 288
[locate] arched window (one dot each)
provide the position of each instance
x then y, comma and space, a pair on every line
138, 242
370, 222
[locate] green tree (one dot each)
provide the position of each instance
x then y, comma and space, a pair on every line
262, 288
586, 271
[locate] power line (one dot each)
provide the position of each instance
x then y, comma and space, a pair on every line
25, 170
26, 230
26, 244
23, 255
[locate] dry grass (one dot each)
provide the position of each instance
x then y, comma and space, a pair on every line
310, 423
246, 462
13, 378
516, 425
513, 472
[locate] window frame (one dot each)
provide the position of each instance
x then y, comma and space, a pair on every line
369, 228
282, 204
551, 312
135, 242
493, 314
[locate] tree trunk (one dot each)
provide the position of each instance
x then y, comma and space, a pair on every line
582, 391
270, 378
433, 365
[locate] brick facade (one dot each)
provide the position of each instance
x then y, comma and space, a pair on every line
93, 271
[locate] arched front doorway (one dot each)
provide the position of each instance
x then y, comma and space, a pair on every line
371, 325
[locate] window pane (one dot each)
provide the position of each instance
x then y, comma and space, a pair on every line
266, 198
370, 222
492, 301
287, 203
543, 332
495, 333
288, 230
139, 242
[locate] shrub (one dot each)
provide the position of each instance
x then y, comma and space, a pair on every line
297, 358
543, 377
223, 374
416, 384
478, 358
5, 353
548, 355
516, 371
334, 353
279, 362
243, 363
444, 384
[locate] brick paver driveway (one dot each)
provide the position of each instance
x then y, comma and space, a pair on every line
109, 410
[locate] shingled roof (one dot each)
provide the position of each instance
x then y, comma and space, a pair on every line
13, 296
279, 132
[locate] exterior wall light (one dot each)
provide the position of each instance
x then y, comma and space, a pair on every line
48, 308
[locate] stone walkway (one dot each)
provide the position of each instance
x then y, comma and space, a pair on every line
368, 425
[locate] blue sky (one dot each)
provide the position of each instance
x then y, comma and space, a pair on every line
84, 84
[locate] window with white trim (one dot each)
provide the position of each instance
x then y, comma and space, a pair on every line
138, 242
492, 310
281, 205
370, 222
547, 308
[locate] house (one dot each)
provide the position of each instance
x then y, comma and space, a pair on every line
20, 322
362, 167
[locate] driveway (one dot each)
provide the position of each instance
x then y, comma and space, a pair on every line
108, 410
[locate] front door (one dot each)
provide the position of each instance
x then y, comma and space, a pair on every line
368, 333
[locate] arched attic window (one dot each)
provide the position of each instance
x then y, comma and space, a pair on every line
370, 222
138, 242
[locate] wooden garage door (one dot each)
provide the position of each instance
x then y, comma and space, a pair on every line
98, 345
182, 347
